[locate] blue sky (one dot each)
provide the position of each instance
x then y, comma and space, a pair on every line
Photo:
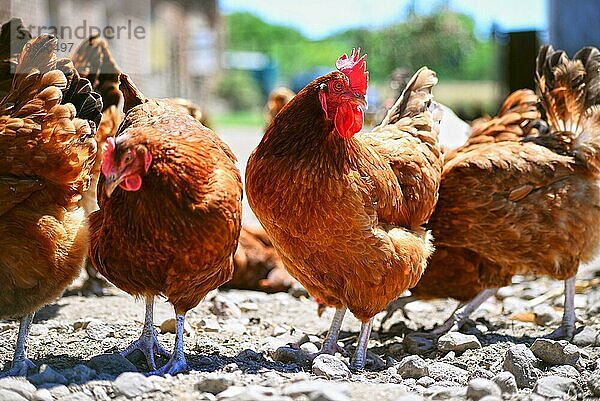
319, 18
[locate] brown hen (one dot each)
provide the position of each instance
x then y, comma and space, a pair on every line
170, 213
47, 149
522, 195
344, 211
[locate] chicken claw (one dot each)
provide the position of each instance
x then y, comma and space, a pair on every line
20, 364
177, 363
147, 343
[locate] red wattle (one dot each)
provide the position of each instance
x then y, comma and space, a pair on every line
348, 120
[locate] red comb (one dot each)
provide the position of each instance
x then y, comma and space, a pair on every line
355, 69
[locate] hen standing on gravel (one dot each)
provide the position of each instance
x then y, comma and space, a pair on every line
170, 213
345, 210
47, 150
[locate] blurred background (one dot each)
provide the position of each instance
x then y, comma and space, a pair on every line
227, 55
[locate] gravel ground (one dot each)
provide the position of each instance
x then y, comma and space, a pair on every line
233, 337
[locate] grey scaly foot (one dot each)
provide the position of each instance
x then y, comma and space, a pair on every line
566, 331
20, 363
147, 344
177, 363
360, 355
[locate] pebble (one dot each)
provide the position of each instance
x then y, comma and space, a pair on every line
593, 383
412, 366
425, 381
479, 388
587, 337
481, 373
309, 348
506, 382
556, 352
545, 315
330, 367
77, 396
222, 306
514, 304
248, 306
43, 395
442, 371
47, 375
214, 384
39, 330
100, 394
132, 384
556, 387
97, 330
209, 324
291, 355
418, 345
59, 391
79, 374
18, 385
7, 395
318, 390
170, 326
280, 330
457, 342
233, 326
113, 364
520, 361
374, 361
442, 392
565, 371
410, 397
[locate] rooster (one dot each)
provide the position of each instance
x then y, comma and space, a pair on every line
47, 150
170, 213
522, 195
345, 211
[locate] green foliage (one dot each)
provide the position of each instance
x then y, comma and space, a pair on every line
445, 41
240, 91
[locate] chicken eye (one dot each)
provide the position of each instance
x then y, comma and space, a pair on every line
337, 86
127, 158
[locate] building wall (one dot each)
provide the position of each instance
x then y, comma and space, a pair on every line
179, 55
574, 24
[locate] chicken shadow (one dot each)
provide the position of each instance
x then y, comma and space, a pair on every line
48, 312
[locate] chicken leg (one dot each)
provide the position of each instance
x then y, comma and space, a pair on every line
177, 363
360, 355
567, 327
20, 363
147, 343
330, 343
458, 318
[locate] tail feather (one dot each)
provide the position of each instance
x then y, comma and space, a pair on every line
408, 139
131, 94
93, 61
44, 120
13, 36
415, 98
570, 92
512, 122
